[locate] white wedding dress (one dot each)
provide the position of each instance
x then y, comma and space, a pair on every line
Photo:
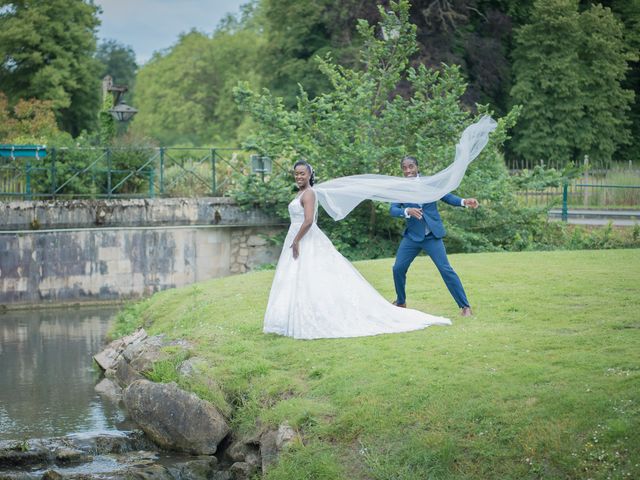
321, 295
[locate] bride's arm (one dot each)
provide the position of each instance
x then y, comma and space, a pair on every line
308, 201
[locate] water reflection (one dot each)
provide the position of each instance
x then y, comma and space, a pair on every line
46, 374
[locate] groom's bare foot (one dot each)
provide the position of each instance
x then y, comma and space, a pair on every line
401, 305
466, 312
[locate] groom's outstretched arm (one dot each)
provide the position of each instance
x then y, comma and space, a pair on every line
452, 199
456, 201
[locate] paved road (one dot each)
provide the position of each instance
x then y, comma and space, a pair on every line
576, 216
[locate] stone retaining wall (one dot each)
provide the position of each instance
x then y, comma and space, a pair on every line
120, 249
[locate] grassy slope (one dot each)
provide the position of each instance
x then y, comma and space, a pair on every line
542, 383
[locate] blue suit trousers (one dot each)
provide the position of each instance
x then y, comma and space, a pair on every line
434, 247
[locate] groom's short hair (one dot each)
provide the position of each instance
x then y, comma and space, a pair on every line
410, 158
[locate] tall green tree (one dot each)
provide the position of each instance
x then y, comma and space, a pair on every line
569, 68
296, 32
184, 94
604, 60
628, 12
118, 61
474, 34
47, 51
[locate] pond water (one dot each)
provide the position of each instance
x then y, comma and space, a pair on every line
47, 375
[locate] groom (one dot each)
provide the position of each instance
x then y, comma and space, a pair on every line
424, 231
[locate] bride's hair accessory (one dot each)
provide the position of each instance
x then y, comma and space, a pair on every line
312, 179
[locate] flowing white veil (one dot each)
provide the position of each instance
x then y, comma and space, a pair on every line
341, 195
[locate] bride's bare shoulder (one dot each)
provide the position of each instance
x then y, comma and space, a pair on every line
308, 195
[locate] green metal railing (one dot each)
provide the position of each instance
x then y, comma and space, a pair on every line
595, 195
27, 172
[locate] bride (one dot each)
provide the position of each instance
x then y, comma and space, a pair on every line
316, 292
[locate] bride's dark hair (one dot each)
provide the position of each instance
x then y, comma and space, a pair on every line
312, 178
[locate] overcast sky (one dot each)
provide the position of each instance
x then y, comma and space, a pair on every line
150, 25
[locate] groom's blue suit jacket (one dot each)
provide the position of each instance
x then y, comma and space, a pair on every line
415, 228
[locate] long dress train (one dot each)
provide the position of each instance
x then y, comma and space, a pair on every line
321, 295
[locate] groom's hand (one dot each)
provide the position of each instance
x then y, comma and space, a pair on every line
471, 203
415, 213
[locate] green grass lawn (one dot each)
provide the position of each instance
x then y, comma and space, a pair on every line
543, 382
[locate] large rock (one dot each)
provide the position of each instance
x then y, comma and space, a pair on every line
242, 470
151, 472
201, 468
124, 374
273, 442
141, 356
109, 357
244, 451
110, 390
175, 419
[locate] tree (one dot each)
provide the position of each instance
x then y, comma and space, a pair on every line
604, 58
548, 82
47, 50
568, 72
362, 125
29, 121
118, 61
296, 32
628, 12
184, 95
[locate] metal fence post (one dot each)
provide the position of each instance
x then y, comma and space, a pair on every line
151, 183
161, 170
565, 195
108, 172
213, 172
53, 188
585, 192
28, 178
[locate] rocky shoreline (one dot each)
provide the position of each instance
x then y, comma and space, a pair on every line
170, 420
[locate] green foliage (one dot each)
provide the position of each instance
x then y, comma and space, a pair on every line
314, 460
84, 170
166, 371
184, 95
628, 12
189, 179
363, 126
568, 71
477, 35
29, 122
540, 178
128, 319
47, 53
119, 62
272, 196
106, 122
296, 32
604, 58
608, 237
